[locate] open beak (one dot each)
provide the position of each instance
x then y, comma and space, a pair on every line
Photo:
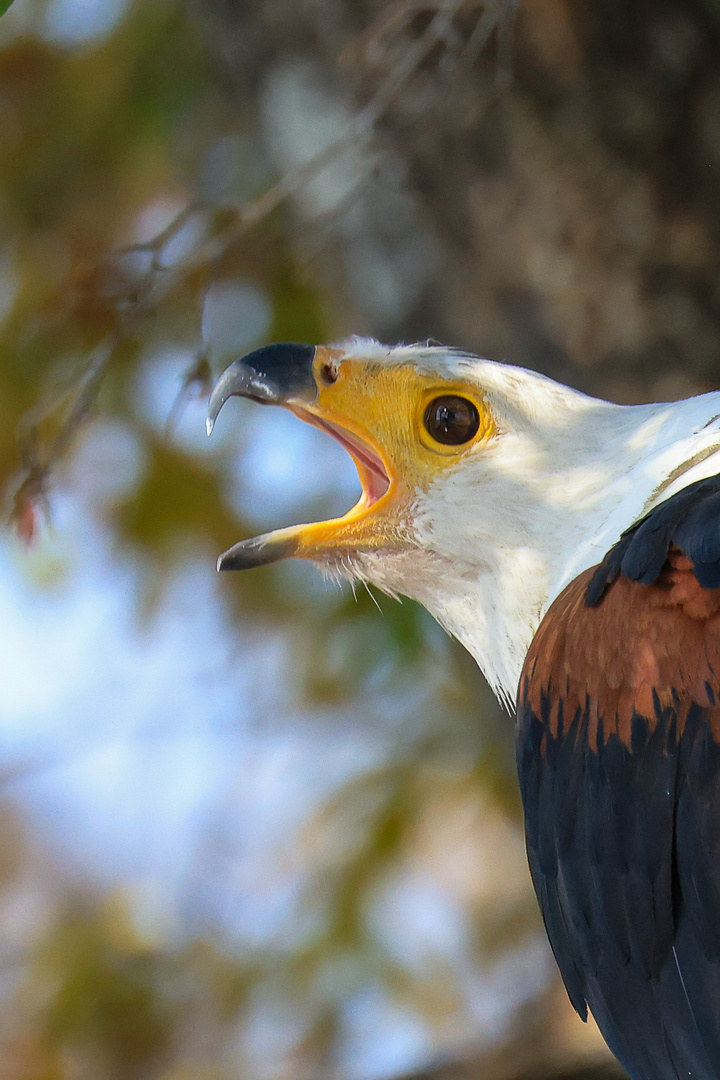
287, 374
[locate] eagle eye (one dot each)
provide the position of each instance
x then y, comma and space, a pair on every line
451, 420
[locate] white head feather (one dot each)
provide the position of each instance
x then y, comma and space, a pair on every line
497, 537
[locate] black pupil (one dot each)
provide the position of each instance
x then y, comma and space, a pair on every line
452, 420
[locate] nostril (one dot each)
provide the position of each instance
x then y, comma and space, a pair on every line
328, 374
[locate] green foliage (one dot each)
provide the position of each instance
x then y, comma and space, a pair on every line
102, 143
105, 992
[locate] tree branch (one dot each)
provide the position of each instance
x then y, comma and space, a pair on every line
141, 294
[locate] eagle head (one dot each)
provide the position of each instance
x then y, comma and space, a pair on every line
485, 487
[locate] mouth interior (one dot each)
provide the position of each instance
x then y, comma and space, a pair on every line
284, 543
371, 470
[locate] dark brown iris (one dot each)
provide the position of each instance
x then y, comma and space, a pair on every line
452, 420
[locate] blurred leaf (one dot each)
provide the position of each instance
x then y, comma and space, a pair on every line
106, 994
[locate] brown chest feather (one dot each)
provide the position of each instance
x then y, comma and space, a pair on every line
642, 649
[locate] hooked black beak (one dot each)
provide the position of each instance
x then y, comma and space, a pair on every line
272, 375
302, 378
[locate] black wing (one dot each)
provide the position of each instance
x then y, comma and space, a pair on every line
619, 762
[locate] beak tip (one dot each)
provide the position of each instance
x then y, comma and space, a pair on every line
209, 425
259, 551
271, 375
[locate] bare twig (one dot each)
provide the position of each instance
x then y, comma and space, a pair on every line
390, 32
491, 20
157, 243
295, 180
196, 382
31, 494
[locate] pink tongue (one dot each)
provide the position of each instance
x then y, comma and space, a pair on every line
378, 486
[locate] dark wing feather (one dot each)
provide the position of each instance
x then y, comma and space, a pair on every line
689, 520
619, 764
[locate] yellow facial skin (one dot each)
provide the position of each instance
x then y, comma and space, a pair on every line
381, 407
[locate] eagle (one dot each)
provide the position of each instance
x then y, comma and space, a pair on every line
573, 546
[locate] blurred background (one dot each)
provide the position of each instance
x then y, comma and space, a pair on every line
252, 826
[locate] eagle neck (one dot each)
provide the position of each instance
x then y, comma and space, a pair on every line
593, 475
